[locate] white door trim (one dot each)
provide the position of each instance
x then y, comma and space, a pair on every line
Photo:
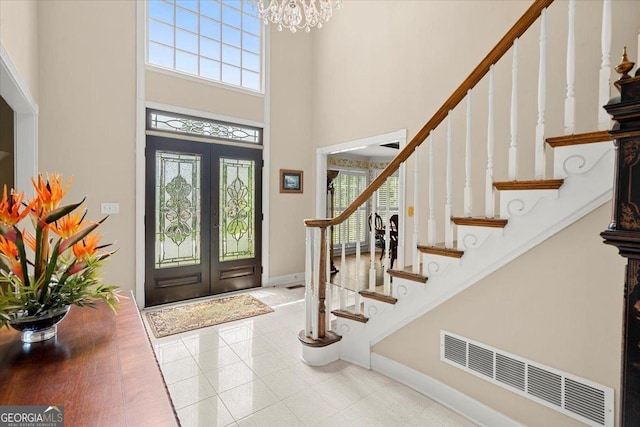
16, 93
399, 136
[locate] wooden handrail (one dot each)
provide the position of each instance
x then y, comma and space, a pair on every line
503, 46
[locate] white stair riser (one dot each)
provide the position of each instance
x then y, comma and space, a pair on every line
405, 288
436, 265
520, 202
577, 159
472, 237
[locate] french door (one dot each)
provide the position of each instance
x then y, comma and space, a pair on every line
203, 219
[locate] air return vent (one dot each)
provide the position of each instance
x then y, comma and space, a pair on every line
573, 396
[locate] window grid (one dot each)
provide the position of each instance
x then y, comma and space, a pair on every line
235, 43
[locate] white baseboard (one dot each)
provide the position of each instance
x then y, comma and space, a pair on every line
285, 280
445, 395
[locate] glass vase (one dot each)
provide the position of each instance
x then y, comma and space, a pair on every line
39, 327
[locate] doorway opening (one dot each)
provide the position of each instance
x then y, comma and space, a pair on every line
360, 161
7, 146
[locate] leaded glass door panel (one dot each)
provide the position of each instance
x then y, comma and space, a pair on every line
237, 218
202, 219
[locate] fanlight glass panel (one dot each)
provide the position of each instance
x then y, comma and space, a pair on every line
237, 209
201, 127
178, 202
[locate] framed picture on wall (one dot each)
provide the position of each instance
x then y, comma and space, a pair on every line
291, 181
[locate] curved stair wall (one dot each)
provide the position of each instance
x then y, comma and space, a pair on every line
557, 304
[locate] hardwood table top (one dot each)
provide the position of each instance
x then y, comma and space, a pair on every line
100, 367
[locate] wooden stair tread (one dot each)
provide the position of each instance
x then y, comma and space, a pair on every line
329, 338
480, 221
580, 138
440, 249
540, 184
349, 315
409, 275
379, 297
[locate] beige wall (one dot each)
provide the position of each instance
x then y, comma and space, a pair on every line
291, 148
87, 113
560, 304
19, 36
168, 89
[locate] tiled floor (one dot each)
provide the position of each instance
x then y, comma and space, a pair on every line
249, 373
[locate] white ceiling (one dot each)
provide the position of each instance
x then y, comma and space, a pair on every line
372, 151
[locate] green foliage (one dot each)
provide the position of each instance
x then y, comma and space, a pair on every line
83, 289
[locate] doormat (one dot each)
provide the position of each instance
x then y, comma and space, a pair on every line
196, 315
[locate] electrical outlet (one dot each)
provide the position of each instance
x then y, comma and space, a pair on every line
110, 208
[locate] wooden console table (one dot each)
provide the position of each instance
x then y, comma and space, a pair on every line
101, 368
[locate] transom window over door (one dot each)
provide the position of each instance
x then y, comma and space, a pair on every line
219, 40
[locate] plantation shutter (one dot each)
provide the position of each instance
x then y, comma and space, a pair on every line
347, 187
388, 190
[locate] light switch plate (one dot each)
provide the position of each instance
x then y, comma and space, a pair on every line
110, 208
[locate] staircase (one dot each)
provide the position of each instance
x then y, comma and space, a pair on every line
518, 213
529, 213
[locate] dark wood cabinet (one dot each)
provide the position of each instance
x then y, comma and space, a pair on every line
624, 233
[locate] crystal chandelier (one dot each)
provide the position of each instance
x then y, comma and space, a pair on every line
297, 14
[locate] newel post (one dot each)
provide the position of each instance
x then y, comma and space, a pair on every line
317, 337
624, 231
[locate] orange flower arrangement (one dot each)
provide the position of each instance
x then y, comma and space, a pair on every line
40, 273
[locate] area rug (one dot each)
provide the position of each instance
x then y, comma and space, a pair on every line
183, 318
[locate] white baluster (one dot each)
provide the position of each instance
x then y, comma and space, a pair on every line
315, 312
570, 101
372, 245
387, 246
416, 202
431, 223
467, 161
328, 297
448, 227
308, 289
489, 202
513, 145
605, 67
542, 91
358, 284
343, 267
